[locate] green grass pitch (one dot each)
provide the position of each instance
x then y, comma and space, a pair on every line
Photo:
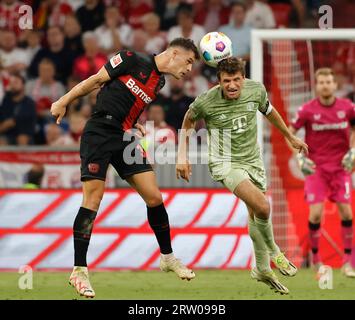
155, 285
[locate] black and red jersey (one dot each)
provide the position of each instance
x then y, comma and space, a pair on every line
135, 83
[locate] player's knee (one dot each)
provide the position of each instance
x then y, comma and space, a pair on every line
263, 210
315, 217
154, 200
92, 201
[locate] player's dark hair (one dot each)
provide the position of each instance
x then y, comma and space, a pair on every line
187, 44
231, 65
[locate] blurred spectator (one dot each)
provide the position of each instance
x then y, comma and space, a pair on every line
139, 40
45, 86
76, 4
288, 13
61, 56
114, 34
76, 126
13, 59
344, 86
17, 113
56, 137
136, 10
177, 103
343, 11
2, 85
259, 15
92, 60
9, 15
91, 15
34, 177
72, 32
238, 31
77, 103
157, 39
167, 11
44, 117
351, 95
194, 82
52, 13
162, 132
186, 27
122, 5
32, 39
212, 15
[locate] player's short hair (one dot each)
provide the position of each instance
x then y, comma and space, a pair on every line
187, 44
231, 65
324, 72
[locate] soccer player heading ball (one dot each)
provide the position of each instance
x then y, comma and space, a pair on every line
129, 81
327, 121
230, 113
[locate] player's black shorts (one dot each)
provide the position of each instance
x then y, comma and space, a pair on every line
102, 145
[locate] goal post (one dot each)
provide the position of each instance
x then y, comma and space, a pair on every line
284, 60
258, 36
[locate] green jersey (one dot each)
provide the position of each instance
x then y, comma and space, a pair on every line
231, 126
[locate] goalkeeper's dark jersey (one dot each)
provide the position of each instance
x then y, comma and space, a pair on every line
135, 83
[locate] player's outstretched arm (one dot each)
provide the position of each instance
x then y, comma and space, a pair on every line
296, 143
183, 167
81, 89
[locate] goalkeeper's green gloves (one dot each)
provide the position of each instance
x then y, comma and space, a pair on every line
348, 160
306, 165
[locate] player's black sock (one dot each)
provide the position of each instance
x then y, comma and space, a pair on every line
347, 235
314, 236
159, 221
82, 229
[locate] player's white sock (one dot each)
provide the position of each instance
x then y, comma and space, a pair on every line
167, 256
265, 229
262, 258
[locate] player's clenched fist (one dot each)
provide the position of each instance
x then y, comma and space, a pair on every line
183, 170
58, 110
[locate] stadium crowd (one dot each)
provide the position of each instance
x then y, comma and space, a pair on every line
71, 40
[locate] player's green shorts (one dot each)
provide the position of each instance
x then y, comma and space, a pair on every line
236, 173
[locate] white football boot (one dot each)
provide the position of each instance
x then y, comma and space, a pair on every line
270, 279
79, 279
286, 267
347, 270
175, 265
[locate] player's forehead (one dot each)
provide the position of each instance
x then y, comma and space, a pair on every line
187, 54
325, 78
225, 76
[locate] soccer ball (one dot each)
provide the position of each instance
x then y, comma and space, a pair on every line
214, 47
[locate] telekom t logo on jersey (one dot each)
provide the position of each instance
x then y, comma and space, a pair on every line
131, 84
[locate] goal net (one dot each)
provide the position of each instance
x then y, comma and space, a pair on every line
285, 61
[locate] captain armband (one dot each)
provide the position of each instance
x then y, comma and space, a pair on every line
265, 110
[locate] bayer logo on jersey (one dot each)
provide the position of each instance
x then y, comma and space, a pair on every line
214, 47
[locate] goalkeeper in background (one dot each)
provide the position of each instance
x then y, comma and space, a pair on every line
230, 112
329, 123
